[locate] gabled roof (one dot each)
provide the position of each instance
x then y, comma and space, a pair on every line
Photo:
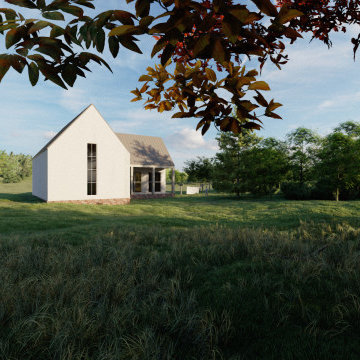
146, 150
61, 131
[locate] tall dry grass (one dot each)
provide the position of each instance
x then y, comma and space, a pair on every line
202, 293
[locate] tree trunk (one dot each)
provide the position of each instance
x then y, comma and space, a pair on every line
181, 189
337, 194
237, 175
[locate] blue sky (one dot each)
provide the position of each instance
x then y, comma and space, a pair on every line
319, 88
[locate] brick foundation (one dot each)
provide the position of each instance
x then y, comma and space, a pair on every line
151, 196
95, 202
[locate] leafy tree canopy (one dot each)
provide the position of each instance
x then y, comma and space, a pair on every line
199, 170
338, 161
196, 36
301, 141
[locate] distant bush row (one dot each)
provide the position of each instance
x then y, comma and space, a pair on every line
304, 166
14, 168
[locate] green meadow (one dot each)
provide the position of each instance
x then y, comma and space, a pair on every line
193, 277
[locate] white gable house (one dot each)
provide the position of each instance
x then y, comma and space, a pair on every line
87, 162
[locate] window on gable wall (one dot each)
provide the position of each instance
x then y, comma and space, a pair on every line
92, 169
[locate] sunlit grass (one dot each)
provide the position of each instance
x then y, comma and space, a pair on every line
187, 278
20, 212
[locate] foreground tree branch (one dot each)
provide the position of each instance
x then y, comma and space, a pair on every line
194, 38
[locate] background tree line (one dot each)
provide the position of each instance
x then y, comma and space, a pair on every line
14, 168
304, 166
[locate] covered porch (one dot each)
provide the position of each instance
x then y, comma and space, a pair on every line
148, 182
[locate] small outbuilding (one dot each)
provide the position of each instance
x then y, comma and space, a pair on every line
88, 162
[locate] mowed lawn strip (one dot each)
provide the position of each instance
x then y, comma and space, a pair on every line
20, 212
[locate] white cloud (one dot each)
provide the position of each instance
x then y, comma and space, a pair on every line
309, 63
140, 120
189, 139
340, 100
74, 99
49, 134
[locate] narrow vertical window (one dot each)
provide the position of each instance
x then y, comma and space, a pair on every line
91, 159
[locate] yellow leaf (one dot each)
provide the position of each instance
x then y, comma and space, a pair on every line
211, 74
259, 85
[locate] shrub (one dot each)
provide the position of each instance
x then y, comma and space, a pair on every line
11, 172
293, 190
14, 168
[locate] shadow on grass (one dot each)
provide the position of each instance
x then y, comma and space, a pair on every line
21, 198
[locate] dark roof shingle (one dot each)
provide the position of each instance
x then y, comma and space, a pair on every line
146, 150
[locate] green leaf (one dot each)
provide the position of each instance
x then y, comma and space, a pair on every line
158, 46
142, 8
130, 44
57, 31
259, 85
69, 74
4, 67
114, 46
211, 74
123, 30
33, 73
124, 17
10, 14
266, 6
85, 57
12, 37
50, 74
287, 14
38, 26
166, 55
201, 44
218, 52
23, 3
17, 62
146, 21
53, 15
40, 4
73, 10
205, 128
100, 40
50, 50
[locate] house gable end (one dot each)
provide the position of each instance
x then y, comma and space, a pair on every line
78, 117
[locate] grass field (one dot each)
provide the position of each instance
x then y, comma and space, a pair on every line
20, 212
186, 278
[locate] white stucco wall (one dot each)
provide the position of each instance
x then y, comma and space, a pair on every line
67, 161
40, 176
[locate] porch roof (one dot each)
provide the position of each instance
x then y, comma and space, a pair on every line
146, 150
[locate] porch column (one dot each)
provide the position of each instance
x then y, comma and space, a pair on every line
131, 180
153, 181
173, 181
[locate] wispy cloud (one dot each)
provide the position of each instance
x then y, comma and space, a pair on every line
190, 139
74, 99
48, 135
340, 100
